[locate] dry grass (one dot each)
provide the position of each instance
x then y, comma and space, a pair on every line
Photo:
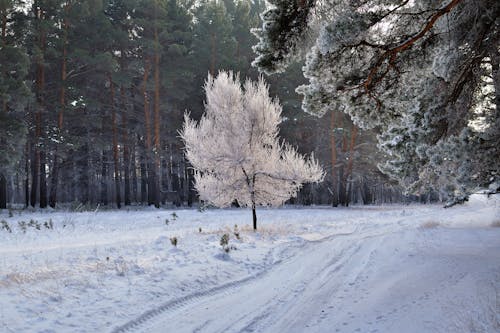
430, 225
247, 230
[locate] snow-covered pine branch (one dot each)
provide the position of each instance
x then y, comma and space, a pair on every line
235, 148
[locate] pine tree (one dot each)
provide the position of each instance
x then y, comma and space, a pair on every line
420, 80
14, 93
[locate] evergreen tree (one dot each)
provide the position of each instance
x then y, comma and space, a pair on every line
14, 93
427, 82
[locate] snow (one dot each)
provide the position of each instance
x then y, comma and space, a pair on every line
391, 268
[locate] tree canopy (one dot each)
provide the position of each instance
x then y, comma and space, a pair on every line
424, 74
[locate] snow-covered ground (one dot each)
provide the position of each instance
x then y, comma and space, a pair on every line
360, 269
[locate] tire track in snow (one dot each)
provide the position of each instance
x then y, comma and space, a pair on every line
224, 289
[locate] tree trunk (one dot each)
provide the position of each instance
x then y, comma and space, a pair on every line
115, 144
40, 84
26, 176
43, 181
254, 217
157, 119
104, 182
3, 179
3, 192
348, 174
126, 151
4, 43
213, 40
147, 123
62, 106
35, 169
333, 146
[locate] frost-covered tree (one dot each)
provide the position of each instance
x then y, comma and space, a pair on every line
235, 149
425, 74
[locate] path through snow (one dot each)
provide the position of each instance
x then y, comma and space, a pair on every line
360, 269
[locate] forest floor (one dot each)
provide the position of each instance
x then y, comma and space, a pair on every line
415, 268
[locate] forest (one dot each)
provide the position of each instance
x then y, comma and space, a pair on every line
94, 92
93, 96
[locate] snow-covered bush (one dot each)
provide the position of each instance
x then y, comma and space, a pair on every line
235, 149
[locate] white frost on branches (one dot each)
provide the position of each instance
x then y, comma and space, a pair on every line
235, 149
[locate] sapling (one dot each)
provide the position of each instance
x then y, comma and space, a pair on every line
235, 149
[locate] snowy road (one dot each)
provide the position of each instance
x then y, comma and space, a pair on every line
419, 280
358, 269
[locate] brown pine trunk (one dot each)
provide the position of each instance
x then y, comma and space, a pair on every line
62, 106
157, 120
115, 144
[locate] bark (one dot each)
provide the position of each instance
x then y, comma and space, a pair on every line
213, 40
35, 168
3, 179
126, 151
4, 43
104, 180
115, 144
62, 106
350, 163
157, 119
144, 178
26, 176
254, 216
43, 181
134, 176
147, 123
3, 192
333, 146
40, 85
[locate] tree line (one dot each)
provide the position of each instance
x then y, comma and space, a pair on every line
93, 95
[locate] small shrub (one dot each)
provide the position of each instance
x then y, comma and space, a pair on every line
236, 232
167, 221
23, 226
11, 214
48, 224
34, 224
173, 241
199, 230
224, 243
174, 216
496, 224
5, 226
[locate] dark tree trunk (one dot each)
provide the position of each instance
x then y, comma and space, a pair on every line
43, 181
35, 169
134, 176
115, 145
126, 151
3, 192
104, 182
254, 217
27, 176
144, 182
54, 181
